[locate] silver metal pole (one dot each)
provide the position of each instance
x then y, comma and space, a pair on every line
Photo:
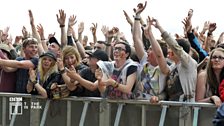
118, 115
3, 111
44, 116
195, 119
82, 120
69, 112
163, 115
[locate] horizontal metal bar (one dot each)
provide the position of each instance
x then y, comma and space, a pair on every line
99, 99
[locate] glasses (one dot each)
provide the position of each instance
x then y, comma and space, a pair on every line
219, 58
119, 49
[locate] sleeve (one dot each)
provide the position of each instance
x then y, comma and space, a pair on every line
177, 49
221, 90
70, 41
195, 44
131, 70
35, 61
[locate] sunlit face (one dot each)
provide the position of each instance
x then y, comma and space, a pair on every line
119, 52
70, 60
47, 62
30, 50
54, 48
217, 60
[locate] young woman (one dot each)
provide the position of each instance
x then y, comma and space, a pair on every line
45, 77
209, 79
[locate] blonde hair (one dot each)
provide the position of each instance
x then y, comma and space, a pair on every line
43, 76
211, 78
70, 50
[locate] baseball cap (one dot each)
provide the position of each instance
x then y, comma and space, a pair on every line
54, 40
49, 54
5, 48
99, 54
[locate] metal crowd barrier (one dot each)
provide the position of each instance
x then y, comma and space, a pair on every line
28, 110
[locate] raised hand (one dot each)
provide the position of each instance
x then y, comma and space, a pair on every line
72, 21
212, 27
80, 27
61, 17
51, 35
40, 30
187, 24
206, 26
31, 17
140, 8
128, 18
105, 30
93, 28
24, 32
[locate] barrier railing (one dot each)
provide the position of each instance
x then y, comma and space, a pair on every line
25, 109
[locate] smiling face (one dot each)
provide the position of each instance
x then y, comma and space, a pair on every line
119, 52
47, 62
217, 60
70, 60
30, 50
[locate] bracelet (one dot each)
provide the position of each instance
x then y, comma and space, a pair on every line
43, 39
62, 71
209, 34
76, 40
62, 26
108, 44
33, 82
115, 84
137, 19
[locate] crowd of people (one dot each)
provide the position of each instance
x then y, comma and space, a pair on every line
188, 68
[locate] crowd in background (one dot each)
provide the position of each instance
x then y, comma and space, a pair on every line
187, 68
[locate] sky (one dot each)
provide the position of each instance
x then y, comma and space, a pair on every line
170, 13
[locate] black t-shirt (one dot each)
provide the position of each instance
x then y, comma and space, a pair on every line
87, 74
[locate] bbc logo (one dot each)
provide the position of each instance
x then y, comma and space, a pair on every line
15, 107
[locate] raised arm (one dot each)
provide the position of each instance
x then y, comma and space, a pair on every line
35, 33
61, 20
155, 45
93, 30
137, 36
40, 30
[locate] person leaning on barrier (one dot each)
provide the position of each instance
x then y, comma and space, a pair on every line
182, 73
153, 79
207, 88
119, 79
46, 77
71, 60
86, 77
22, 64
7, 79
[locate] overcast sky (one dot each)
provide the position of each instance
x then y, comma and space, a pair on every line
170, 13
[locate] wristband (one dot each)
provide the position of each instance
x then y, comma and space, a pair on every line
62, 71
137, 19
62, 26
33, 82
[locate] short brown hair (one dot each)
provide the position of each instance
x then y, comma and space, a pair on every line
29, 41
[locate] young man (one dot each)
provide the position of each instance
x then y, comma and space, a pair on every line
22, 64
